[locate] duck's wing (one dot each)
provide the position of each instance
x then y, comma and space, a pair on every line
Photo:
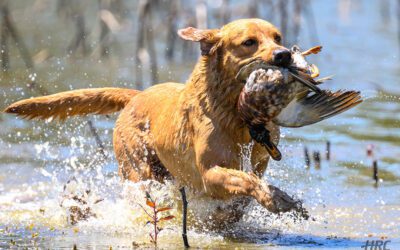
309, 108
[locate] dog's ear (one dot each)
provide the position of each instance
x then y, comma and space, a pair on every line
208, 38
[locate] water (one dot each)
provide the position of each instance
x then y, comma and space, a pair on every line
43, 165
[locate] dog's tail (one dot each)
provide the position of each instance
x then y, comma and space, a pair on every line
76, 102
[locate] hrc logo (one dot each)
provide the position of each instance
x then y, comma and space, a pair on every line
376, 245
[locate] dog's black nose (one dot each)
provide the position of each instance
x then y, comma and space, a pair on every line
282, 57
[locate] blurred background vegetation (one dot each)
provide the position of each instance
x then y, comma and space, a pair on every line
118, 42
135, 42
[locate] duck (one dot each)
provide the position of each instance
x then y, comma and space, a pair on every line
288, 97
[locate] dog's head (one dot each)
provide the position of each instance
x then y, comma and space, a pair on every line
239, 43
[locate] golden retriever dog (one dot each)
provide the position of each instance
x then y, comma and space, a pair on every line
189, 132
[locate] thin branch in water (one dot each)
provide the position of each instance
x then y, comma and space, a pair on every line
375, 172
184, 217
328, 150
97, 138
307, 157
317, 159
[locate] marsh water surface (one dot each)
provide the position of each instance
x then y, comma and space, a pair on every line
43, 164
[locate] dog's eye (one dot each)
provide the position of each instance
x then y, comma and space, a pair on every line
278, 39
249, 42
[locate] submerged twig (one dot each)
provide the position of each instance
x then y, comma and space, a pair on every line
97, 138
328, 150
184, 217
307, 157
375, 172
317, 159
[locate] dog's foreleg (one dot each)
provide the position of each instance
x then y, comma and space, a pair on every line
225, 183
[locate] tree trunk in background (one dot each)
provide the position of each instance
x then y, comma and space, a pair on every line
283, 11
296, 21
171, 30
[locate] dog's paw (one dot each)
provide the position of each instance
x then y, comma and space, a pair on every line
278, 201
